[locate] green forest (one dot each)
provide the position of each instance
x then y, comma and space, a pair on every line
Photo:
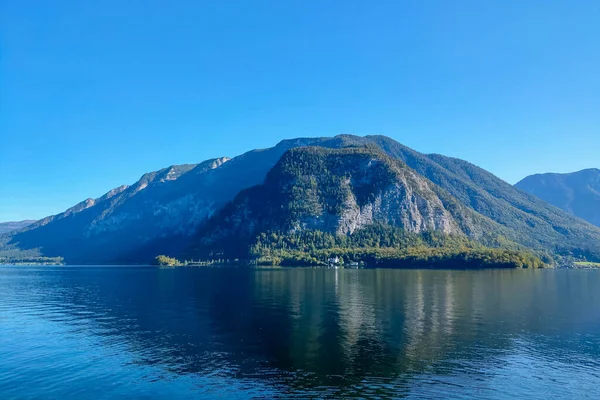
378, 246
385, 246
32, 260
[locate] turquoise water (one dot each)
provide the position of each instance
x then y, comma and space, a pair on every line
150, 333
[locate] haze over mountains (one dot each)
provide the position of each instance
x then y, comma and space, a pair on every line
338, 185
6, 227
577, 193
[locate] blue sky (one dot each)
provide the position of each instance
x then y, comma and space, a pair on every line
95, 93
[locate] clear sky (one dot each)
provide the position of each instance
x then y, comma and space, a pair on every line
95, 93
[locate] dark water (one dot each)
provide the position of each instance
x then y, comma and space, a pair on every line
84, 332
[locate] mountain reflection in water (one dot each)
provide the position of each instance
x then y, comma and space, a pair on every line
207, 332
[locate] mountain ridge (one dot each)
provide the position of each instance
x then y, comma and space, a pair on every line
164, 210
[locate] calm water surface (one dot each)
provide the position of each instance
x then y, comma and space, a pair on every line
137, 332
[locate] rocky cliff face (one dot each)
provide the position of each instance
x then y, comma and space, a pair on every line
345, 190
577, 193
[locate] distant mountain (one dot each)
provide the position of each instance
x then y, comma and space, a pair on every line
163, 212
6, 227
577, 193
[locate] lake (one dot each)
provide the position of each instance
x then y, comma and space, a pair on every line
152, 333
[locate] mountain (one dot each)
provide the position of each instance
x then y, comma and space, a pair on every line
164, 211
6, 227
577, 193
339, 192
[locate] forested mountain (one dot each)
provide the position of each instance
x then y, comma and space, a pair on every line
577, 193
164, 211
6, 227
339, 192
